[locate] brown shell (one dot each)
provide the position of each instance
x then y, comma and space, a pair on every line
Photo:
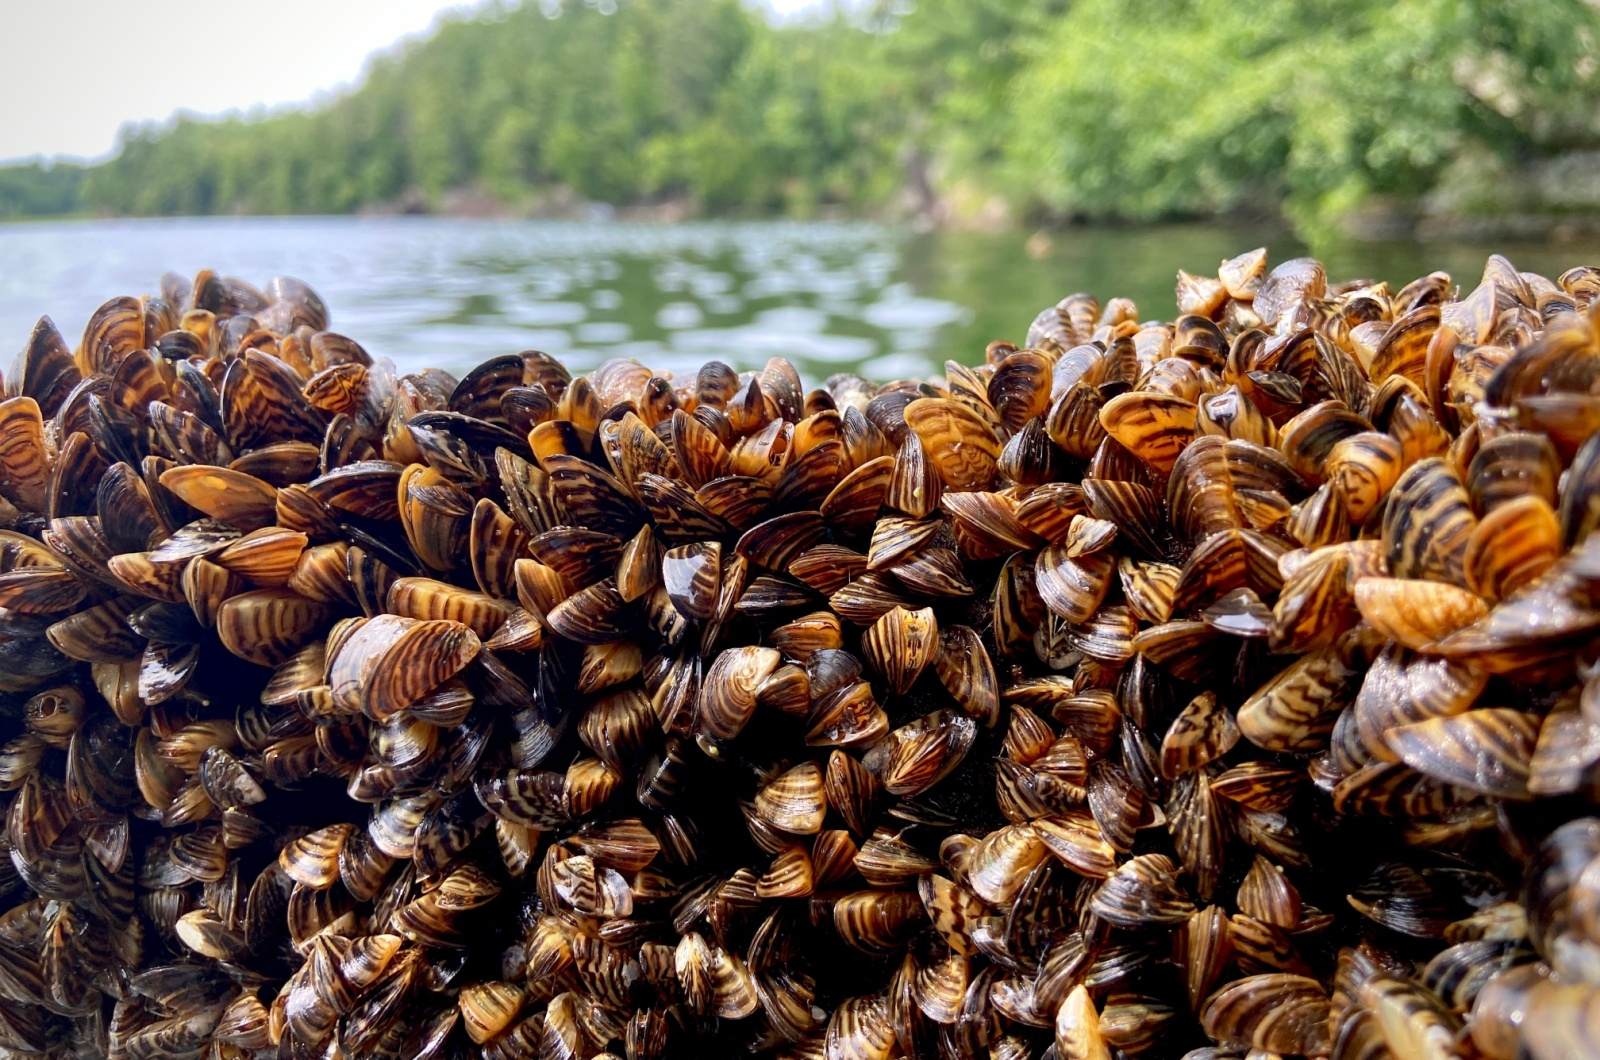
230, 496
1416, 613
1513, 545
968, 674
917, 756
730, 689
794, 801
1306, 572
900, 645
429, 599
1486, 750
267, 626
1152, 426
1428, 523
1277, 1012
1295, 710
390, 662
1073, 587
960, 446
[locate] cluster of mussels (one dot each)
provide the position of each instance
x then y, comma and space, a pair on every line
1225, 686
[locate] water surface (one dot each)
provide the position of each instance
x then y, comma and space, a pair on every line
830, 296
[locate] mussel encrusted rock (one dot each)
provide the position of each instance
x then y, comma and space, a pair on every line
1224, 686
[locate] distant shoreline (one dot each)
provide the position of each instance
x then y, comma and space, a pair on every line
1379, 223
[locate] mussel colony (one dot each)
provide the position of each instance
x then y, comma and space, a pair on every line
1224, 686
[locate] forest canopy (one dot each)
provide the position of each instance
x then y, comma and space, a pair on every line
1037, 109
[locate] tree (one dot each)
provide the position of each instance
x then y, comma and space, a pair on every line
1134, 109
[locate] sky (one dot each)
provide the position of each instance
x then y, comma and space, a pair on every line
73, 71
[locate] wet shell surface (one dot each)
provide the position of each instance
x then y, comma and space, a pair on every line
1219, 686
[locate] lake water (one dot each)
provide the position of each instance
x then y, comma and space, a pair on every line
830, 296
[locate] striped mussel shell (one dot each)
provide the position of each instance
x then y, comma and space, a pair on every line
519, 714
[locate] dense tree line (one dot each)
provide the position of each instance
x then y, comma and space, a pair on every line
1096, 108
38, 190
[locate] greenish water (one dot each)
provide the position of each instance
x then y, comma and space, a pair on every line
830, 296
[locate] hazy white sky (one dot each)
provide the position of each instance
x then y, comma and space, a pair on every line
72, 71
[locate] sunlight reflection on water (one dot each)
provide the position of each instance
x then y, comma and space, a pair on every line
830, 296
451, 292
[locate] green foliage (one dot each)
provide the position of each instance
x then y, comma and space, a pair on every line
35, 189
1137, 109
1149, 108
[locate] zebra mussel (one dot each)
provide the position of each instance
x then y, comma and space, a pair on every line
1223, 686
